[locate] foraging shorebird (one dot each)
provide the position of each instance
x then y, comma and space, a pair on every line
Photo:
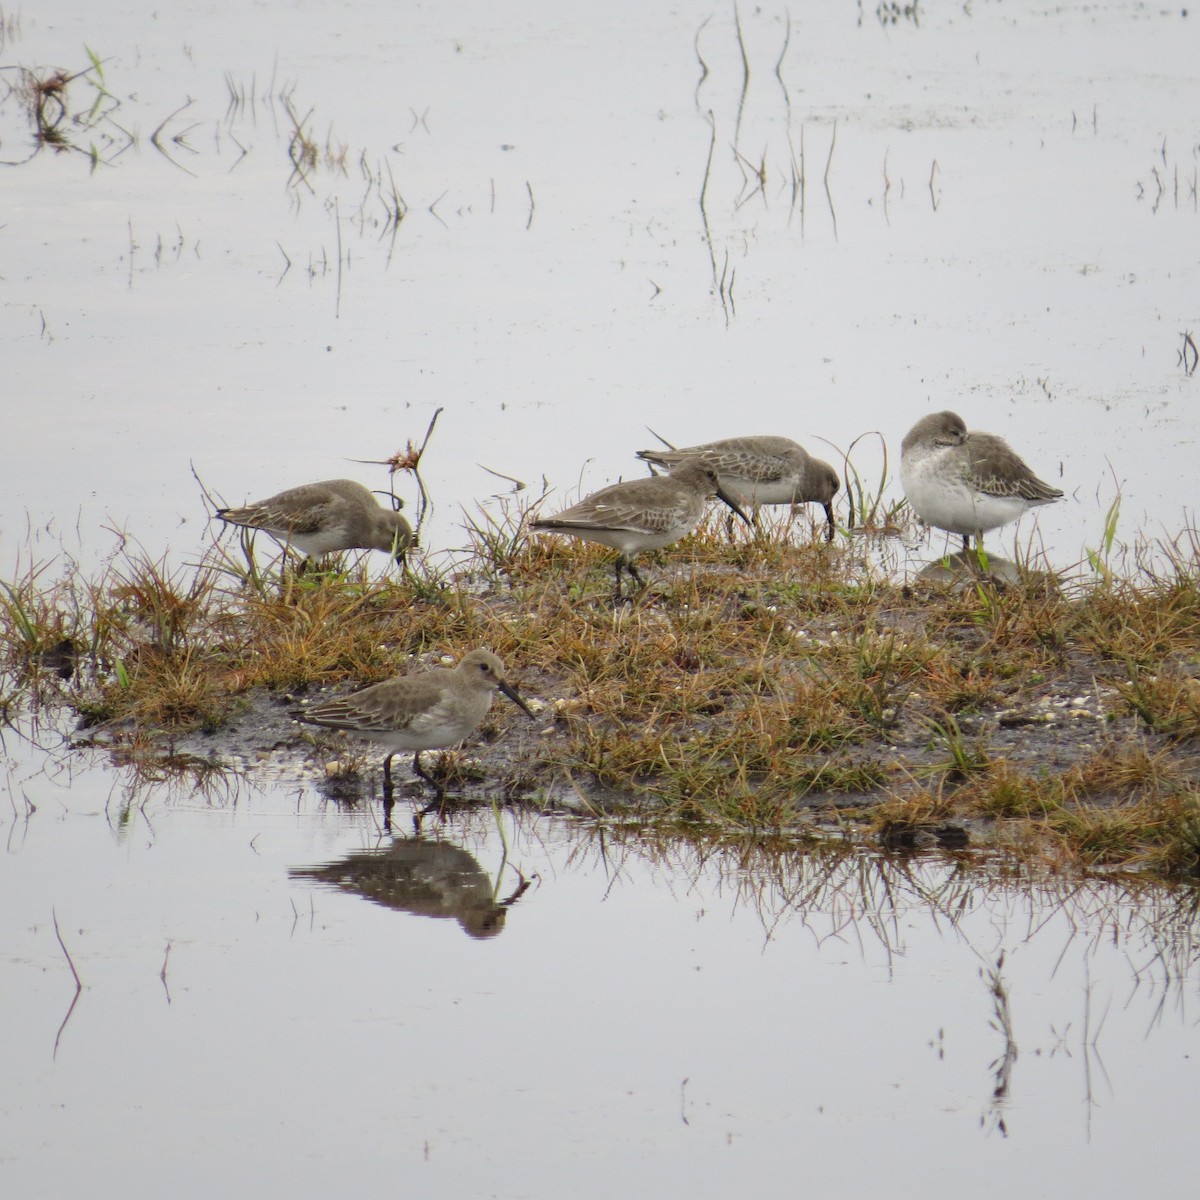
641, 514
966, 482
428, 710
761, 470
323, 518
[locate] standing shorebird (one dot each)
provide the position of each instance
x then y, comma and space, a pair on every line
966, 483
762, 470
323, 518
641, 514
429, 710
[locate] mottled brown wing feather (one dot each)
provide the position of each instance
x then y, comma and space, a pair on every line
758, 468
621, 506
277, 517
376, 708
759, 460
303, 521
998, 471
622, 515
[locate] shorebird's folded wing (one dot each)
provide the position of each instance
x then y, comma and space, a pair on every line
997, 470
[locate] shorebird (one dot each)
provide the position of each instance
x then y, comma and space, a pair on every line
966, 483
761, 470
641, 514
322, 518
428, 710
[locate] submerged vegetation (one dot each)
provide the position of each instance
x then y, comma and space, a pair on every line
757, 688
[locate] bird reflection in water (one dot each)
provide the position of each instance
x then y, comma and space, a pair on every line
970, 566
424, 877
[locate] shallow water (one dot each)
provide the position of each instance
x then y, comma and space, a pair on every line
994, 208
995, 215
649, 1021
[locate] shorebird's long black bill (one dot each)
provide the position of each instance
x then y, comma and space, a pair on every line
515, 696
401, 545
733, 504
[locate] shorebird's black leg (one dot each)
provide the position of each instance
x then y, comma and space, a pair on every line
617, 597
829, 526
429, 779
754, 525
438, 800
522, 888
436, 805
966, 542
389, 796
623, 563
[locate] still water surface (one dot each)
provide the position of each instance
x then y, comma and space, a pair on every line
988, 208
637, 1020
984, 206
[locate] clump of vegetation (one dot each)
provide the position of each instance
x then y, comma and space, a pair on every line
764, 684
59, 116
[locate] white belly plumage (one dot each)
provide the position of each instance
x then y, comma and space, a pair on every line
942, 497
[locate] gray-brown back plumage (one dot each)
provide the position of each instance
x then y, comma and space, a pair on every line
763, 469
325, 518
640, 514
